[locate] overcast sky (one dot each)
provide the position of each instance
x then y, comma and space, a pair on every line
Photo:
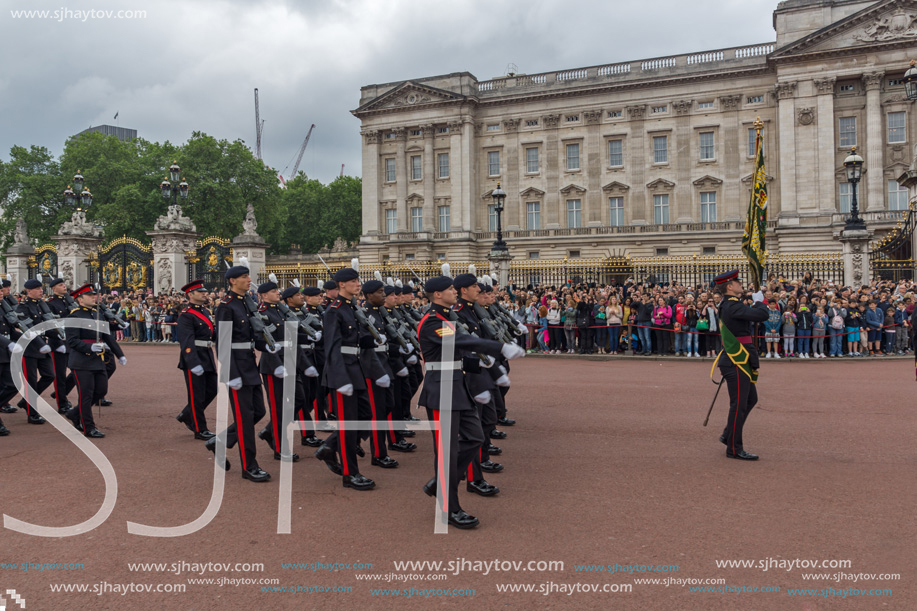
193, 65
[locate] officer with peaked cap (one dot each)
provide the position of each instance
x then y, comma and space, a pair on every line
738, 360
195, 332
89, 350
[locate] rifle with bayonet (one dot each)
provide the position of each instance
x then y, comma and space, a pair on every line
259, 322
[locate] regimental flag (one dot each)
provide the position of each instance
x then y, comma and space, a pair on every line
735, 352
753, 245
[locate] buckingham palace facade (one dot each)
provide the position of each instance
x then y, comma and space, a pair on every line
648, 157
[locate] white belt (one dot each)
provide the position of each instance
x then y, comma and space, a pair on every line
350, 350
444, 366
242, 345
202, 343
283, 344
307, 346
382, 348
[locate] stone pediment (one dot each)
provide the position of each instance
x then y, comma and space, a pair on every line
572, 188
887, 22
661, 184
615, 186
414, 197
707, 181
531, 192
407, 95
767, 177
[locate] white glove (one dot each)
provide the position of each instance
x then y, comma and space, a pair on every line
62, 349
502, 369
405, 350
522, 328
235, 383
412, 360
503, 381
318, 336
311, 372
273, 350
29, 335
15, 348
197, 370
488, 362
758, 297
512, 351
97, 347
381, 341
402, 373
122, 360
346, 390
384, 381
281, 372
45, 349
410, 348
483, 398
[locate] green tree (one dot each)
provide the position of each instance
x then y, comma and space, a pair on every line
31, 189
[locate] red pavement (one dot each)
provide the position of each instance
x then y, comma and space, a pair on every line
608, 464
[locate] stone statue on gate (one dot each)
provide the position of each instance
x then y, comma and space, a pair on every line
79, 226
20, 235
174, 220
250, 225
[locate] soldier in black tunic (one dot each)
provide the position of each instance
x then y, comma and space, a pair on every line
380, 376
273, 372
194, 330
401, 383
306, 370
344, 374
466, 433
60, 305
35, 361
738, 361
245, 397
89, 351
8, 351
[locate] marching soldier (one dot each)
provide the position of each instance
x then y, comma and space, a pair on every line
9, 349
380, 376
481, 386
738, 360
314, 299
89, 350
306, 371
344, 374
331, 293
60, 306
194, 330
5, 287
273, 372
401, 384
35, 361
245, 396
405, 295
466, 433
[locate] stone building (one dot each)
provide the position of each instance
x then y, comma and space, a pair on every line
648, 157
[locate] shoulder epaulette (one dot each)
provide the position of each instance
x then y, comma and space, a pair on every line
75, 309
732, 298
226, 299
458, 306
336, 303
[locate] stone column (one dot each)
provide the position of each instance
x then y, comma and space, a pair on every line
510, 173
465, 203
688, 153
825, 150
856, 256
250, 245
371, 172
734, 203
458, 167
170, 266
637, 164
430, 172
553, 216
401, 179
76, 240
17, 257
786, 126
594, 203
875, 192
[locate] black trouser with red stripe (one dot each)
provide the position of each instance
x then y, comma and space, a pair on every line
63, 383
91, 386
380, 406
273, 386
466, 439
401, 392
32, 367
202, 390
247, 405
742, 398
304, 402
488, 415
347, 438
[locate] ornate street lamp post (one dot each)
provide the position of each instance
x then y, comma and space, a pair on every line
499, 196
174, 186
853, 165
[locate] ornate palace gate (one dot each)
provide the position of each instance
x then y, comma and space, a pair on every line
126, 265
209, 262
44, 262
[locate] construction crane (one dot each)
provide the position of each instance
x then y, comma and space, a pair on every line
342, 170
259, 125
302, 150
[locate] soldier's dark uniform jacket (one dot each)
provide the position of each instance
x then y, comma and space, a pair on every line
431, 334
342, 331
31, 310
374, 359
242, 362
80, 341
59, 306
270, 362
195, 330
739, 319
393, 360
306, 349
479, 380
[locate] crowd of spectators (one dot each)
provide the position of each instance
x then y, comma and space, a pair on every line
809, 318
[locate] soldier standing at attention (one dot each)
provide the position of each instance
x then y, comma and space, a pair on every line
195, 339
466, 433
343, 374
245, 397
738, 360
89, 350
